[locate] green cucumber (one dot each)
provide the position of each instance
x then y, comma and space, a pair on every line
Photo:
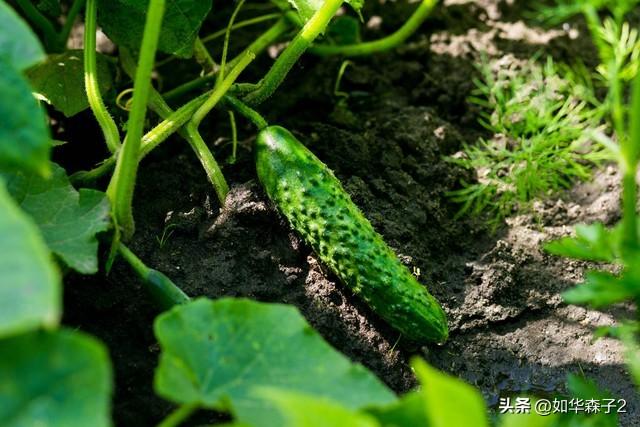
307, 192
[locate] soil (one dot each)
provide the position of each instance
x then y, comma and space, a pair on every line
511, 334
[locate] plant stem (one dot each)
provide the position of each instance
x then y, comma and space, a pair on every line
203, 57
258, 45
630, 153
278, 72
179, 415
241, 24
164, 292
221, 89
386, 43
106, 122
234, 136
42, 23
227, 36
246, 111
211, 167
122, 184
75, 9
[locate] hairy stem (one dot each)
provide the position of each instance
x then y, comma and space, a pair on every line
384, 44
122, 184
211, 167
287, 59
203, 57
246, 111
106, 122
258, 45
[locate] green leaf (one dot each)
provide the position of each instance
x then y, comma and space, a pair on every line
298, 410
69, 220
50, 7
123, 21
19, 46
407, 412
344, 30
601, 289
592, 243
306, 8
528, 420
30, 294
60, 81
628, 334
217, 353
449, 401
54, 379
24, 135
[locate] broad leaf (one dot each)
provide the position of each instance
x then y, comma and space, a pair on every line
407, 412
307, 8
601, 289
24, 136
123, 21
298, 410
69, 220
344, 30
528, 420
592, 242
449, 401
54, 379
30, 294
19, 46
217, 353
60, 81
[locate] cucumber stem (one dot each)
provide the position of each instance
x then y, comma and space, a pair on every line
122, 184
162, 290
258, 45
290, 55
248, 112
106, 122
203, 57
384, 44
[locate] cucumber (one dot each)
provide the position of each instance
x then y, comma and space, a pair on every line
309, 195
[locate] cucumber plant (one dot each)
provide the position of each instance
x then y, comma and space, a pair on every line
50, 228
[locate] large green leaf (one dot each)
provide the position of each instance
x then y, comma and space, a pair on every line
60, 81
298, 410
123, 21
54, 379
30, 294
407, 412
217, 353
449, 401
69, 220
24, 136
19, 47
